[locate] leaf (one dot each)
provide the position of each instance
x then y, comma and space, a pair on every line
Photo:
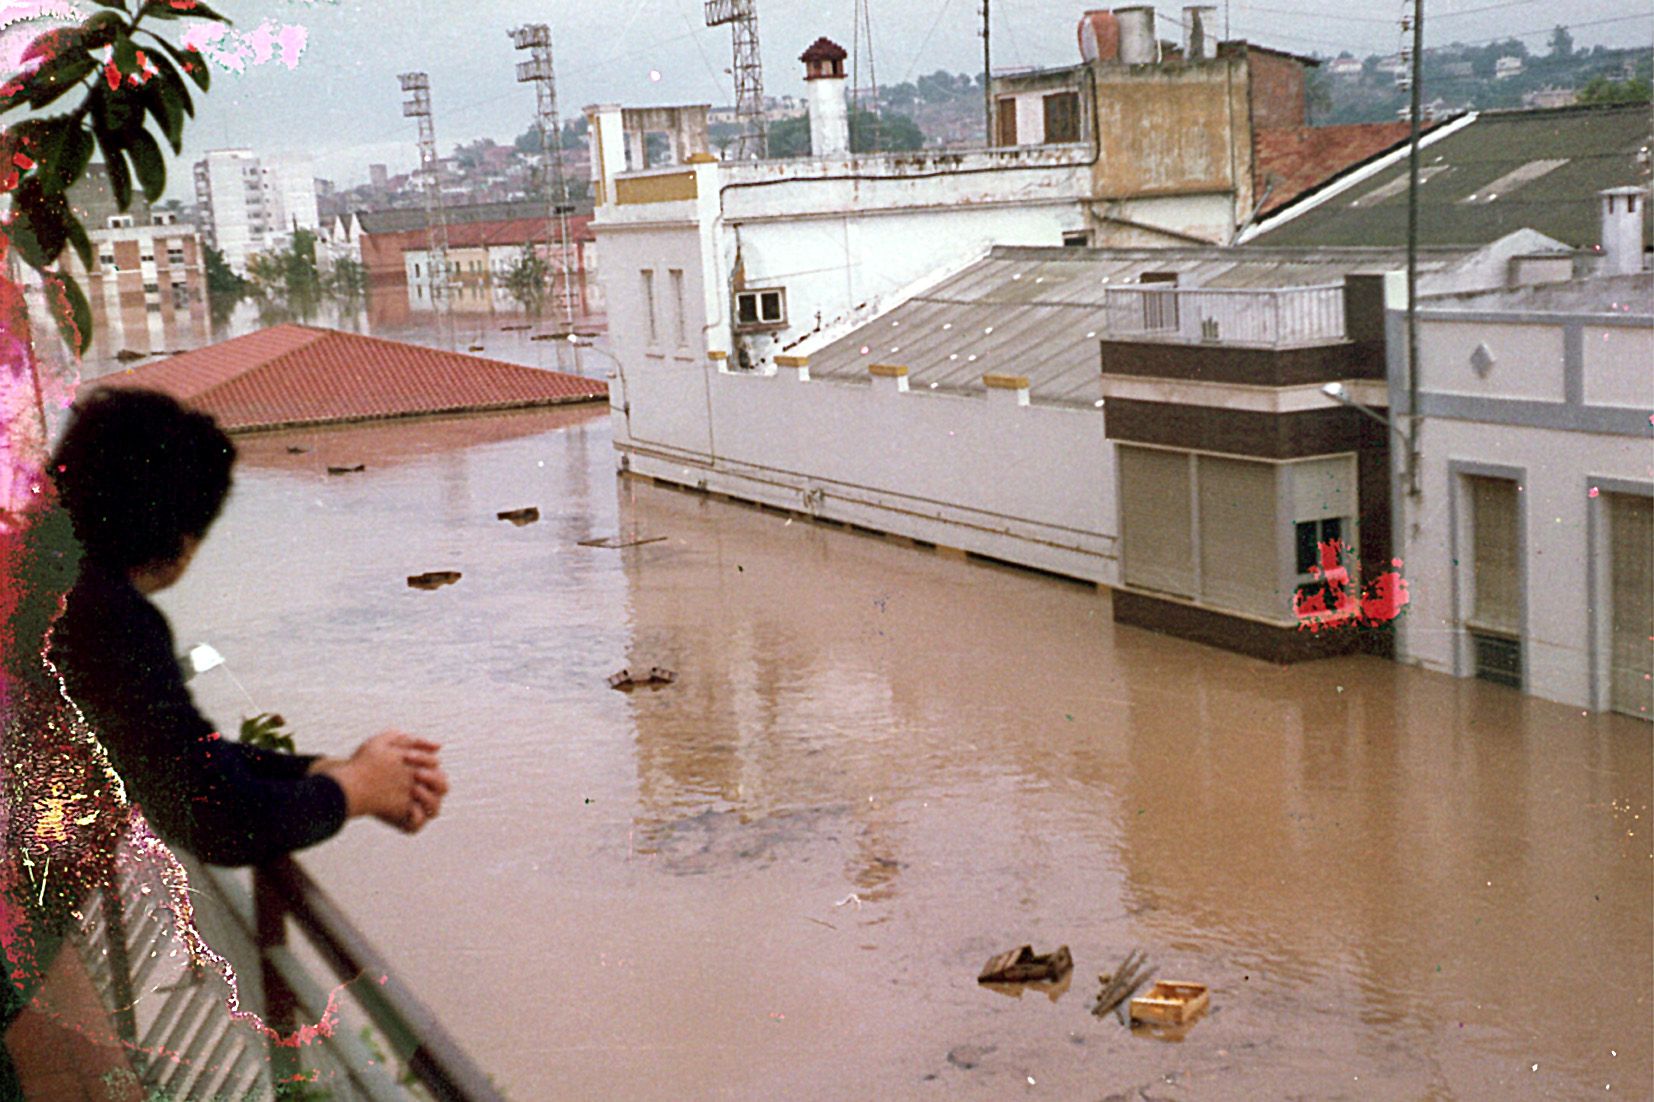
37, 225
149, 162
190, 61
65, 153
178, 9
169, 79
120, 180
70, 310
169, 115
78, 238
56, 77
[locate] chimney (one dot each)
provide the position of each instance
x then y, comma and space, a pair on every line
1622, 230
829, 110
1099, 37
1200, 39
1137, 41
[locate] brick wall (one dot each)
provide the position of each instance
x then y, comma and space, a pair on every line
1277, 90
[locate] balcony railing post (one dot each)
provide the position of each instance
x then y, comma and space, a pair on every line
280, 1004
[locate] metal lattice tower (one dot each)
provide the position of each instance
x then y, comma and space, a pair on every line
742, 17
538, 70
418, 106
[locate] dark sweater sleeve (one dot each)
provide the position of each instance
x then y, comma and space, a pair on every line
227, 803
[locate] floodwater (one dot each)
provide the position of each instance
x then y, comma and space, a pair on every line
878, 767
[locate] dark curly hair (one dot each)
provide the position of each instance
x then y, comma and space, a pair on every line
137, 472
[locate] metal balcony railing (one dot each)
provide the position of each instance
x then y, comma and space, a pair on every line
173, 1019
1270, 317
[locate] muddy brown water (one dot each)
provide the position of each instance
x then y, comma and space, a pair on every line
779, 876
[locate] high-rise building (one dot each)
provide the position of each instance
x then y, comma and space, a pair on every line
250, 205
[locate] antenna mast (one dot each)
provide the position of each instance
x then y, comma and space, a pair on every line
418, 106
539, 71
987, 74
748, 70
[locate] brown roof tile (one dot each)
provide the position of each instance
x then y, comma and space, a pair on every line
298, 375
1298, 159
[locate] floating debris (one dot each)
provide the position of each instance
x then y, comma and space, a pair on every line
616, 542
348, 470
1023, 965
433, 579
654, 679
520, 517
1170, 1002
294, 449
127, 355
514, 328
1121, 984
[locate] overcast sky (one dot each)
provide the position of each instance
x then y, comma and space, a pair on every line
342, 102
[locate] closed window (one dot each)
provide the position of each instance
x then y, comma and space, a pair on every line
649, 304
1062, 117
761, 309
1005, 121
679, 325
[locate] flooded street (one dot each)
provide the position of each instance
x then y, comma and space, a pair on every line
879, 767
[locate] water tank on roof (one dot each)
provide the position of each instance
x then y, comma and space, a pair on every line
1137, 42
1099, 36
1200, 32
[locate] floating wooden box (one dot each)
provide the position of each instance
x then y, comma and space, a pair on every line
1170, 1002
1023, 965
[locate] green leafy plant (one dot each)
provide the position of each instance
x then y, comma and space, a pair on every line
526, 280
267, 731
130, 78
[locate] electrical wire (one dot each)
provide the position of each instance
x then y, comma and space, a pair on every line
925, 43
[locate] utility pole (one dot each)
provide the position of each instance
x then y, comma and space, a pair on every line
539, 71
1413, 255
987, 74
748, 71
418, 106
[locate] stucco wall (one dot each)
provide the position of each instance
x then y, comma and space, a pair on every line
1556, 469
1030, 484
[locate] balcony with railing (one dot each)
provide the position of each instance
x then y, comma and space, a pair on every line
1275, 317
298, 960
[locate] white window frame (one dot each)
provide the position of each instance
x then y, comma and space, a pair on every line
760, 297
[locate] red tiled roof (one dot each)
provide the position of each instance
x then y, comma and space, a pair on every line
517, 231
1301, 158
824, 49
298, 375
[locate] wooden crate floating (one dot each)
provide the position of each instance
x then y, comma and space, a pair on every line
1170, 1002
1023, 965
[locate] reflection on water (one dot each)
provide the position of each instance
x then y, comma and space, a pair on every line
780, 875
484, 323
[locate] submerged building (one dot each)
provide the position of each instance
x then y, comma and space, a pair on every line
940, 346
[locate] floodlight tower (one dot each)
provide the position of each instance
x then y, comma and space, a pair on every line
742, 17
418, 106
538, 71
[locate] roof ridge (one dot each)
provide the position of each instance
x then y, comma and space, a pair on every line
316, 334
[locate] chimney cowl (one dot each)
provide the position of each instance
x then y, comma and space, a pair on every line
1622, 229
824, 60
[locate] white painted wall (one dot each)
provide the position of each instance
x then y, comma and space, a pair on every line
1559, 467
1030, 484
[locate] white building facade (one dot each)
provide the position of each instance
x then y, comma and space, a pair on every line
1529, 549
250, 204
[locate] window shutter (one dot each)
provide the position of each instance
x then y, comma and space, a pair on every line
1240, 543
1156, 536
1631, 590
1494, 516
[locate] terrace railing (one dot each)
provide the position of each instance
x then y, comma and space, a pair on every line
1272, 317
183, 1044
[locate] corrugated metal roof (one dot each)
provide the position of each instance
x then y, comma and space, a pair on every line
297, 375
1040, 312
1559, 159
